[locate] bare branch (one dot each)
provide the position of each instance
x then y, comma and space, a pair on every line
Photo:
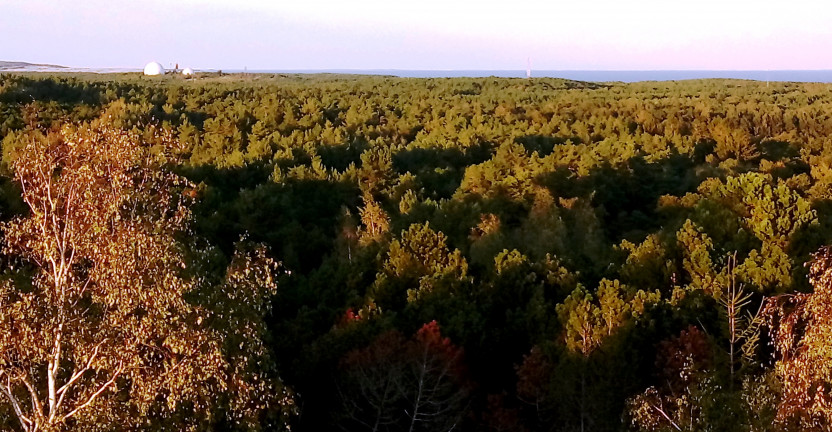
77, 375
95, 395
26, 422
664, 414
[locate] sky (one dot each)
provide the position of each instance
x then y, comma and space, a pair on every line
421, 34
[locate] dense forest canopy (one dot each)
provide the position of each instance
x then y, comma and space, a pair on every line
470, 254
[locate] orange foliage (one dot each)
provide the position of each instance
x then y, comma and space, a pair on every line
801, 328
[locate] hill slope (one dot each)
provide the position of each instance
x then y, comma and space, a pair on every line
8, 65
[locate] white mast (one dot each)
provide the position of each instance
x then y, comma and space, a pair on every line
528, 68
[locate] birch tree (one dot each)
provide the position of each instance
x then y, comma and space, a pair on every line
95, 328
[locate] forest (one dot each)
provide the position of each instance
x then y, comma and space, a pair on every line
335, 252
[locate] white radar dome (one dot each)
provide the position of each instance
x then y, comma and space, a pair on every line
187, 72
154, 68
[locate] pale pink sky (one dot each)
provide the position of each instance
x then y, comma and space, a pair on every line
420, 34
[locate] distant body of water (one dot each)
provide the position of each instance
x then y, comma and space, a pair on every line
824, 76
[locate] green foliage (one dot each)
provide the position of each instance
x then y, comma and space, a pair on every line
559, 231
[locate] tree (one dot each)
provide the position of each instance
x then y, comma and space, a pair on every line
376, 172
742, 328
411, 385
375, 221
802, 330
760, 217
732, 142
590, 322
533, 389
95, 324
371, 389
418, 264
682, 364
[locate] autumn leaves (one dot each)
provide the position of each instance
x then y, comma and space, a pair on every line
105, 332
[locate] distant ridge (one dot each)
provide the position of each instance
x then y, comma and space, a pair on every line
9, 65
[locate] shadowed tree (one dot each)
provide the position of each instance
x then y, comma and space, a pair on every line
396, 384
682, 364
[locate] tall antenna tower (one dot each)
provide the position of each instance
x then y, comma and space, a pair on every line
528, 68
